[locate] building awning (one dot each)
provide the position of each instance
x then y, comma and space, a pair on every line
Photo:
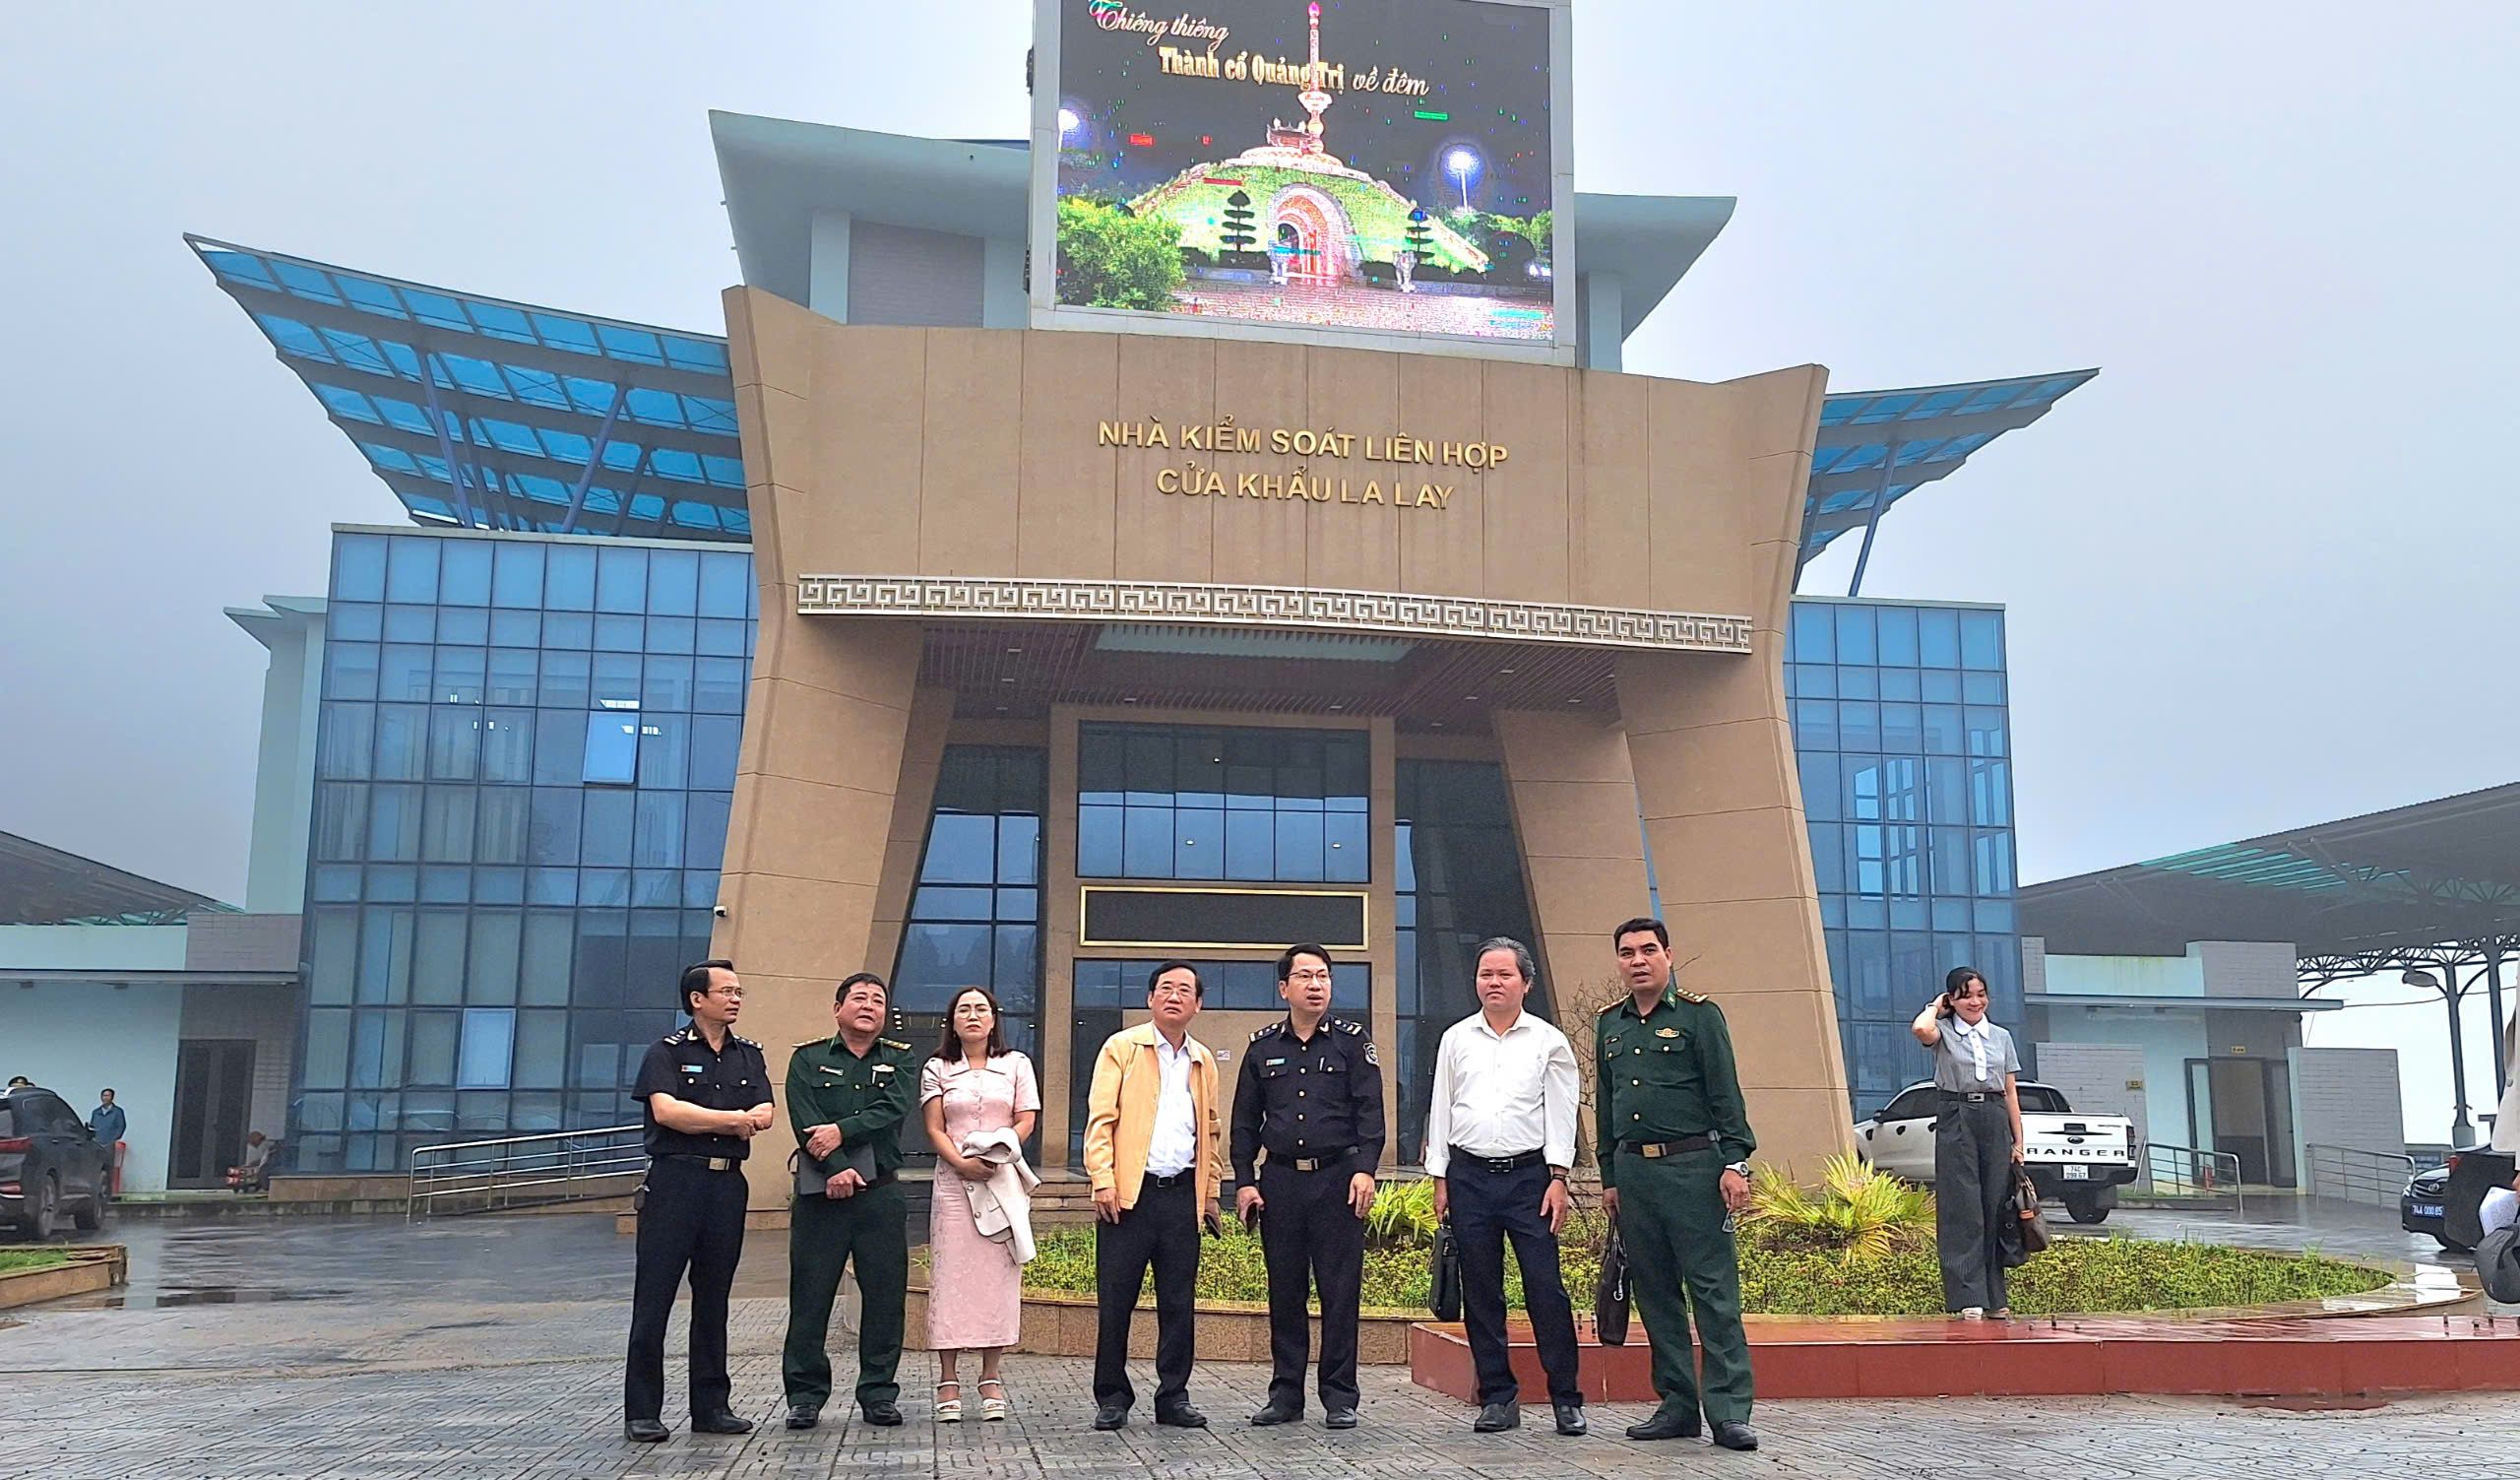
2366, 887
2182, 1003
40, 886
485, 413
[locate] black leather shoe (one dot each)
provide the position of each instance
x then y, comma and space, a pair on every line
1732, 1434
643, 1431
1275, 1414
1181, 1416
1571, 1418
1112, 1416
882, 1413
1339, 1418
804, 1416
1495, 1418
1665, 1426
719, 1422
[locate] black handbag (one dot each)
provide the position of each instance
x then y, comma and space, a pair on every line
1610, 1295
1444, 1297
2025, 1219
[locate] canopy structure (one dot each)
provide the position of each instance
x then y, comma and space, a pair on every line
40, 886
488, 413
2431, 891
1877, 447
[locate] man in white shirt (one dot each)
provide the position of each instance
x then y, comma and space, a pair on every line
1500, 1136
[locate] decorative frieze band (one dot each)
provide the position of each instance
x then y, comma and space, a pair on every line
1381, 612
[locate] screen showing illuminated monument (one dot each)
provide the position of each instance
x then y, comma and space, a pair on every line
1378, 167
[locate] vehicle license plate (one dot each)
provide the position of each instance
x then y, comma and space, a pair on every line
2427, 1209
2077, 1174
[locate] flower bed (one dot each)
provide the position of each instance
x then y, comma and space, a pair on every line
1784, 1275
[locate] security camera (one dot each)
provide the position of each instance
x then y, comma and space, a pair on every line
719, 912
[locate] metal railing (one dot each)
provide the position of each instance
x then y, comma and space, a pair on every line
2191, 1171
525, 1171
2350, 1173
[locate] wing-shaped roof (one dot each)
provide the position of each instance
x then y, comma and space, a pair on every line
2428, 874
486, 413
1877, 447
41, 885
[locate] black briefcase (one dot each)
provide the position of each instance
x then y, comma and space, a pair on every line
1445, 1297
1611, 1297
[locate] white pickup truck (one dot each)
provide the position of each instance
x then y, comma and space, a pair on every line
2080, 1160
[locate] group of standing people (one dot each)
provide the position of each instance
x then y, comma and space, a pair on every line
1306, 1136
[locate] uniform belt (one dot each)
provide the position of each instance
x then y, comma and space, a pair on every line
1180, 1179
1500, 1165
1322, 1163
1655, 1150
1972, 1096
709, 1163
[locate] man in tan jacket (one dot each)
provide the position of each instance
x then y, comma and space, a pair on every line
1154, 1152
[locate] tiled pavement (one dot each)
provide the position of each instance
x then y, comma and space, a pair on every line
443, 1360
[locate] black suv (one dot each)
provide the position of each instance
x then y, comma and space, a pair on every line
51, 1160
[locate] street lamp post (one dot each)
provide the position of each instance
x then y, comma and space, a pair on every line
2462, 1131
1461, 162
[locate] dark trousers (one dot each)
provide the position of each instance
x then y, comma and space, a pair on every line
872, 1228
1310, 1237
1162, 1231
1685, 1267
1972, 1177
692, 1218
1487, 1210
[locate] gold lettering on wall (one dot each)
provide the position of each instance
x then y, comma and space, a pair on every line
1305, 480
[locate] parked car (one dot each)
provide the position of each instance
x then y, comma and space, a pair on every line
2444, 1200
2080, 1160
2419, 1205
50, 1161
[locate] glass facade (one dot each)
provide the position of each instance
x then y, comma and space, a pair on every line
1253, 804
1902, 732
975, 917
525, 764
1459, 882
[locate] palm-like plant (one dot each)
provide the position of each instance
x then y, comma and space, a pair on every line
1860, 1209
1403, 1214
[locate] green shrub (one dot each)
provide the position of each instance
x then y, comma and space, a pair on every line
15, 1261
1403, 1213
1784, 1274
1112, 259
1861, 1212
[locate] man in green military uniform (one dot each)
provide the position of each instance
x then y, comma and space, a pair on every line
847, 1098
1673, 1141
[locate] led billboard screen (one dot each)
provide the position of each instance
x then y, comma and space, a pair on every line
1374, 166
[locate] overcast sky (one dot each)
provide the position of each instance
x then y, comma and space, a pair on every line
2257, 572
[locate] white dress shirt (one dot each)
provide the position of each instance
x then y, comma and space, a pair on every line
1174, 1148
1502, 1094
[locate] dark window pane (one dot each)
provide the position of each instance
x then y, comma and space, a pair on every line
507, 744
394, 823
454, 743
657, 840
559, 747
606, 840
350, 671
403, 673
717, 686
512, 676
1097, 840
665, 750
715, 740
704, 830
555, 826
564, 680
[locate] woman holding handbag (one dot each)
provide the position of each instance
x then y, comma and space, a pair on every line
973, 1089
1977, 1142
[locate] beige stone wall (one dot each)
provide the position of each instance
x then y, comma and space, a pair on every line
877, 450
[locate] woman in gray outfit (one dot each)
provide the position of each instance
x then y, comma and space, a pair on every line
1976, 1142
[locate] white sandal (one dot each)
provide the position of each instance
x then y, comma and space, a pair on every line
992, 1409
949, 1410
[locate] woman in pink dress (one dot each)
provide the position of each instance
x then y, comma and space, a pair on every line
972, 1085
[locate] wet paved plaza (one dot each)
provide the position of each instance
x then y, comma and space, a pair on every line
492, 1347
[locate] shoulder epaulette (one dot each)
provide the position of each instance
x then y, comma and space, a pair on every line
1610, 1006
1686, 996
894, 1043
1350, 1025
1263, 1031
746, 1042
812, 1041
